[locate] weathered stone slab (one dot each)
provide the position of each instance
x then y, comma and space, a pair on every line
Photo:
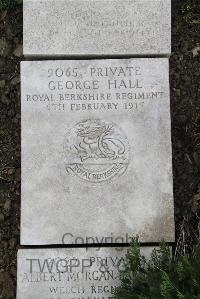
97, 27
96, 151
70, 273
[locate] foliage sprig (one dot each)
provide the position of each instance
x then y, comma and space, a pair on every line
160, 277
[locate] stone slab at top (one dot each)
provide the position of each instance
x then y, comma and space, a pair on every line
70, 273
97, 27
96, 151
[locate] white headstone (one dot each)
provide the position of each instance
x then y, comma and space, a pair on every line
97, 27
96, 151
70, 273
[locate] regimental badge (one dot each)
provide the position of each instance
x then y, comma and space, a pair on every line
96, 150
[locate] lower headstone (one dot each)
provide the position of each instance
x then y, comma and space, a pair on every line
96, 151
70, 273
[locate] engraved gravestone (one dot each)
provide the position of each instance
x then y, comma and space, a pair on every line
70, 273
97, 27
96, 151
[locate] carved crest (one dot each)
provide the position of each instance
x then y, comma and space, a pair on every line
96, 150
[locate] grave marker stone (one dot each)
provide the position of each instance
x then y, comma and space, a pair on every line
97, 27
96, 151
70, 273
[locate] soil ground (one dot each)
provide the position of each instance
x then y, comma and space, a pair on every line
185, 112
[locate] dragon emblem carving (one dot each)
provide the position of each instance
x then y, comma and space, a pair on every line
96, 150
97, 141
